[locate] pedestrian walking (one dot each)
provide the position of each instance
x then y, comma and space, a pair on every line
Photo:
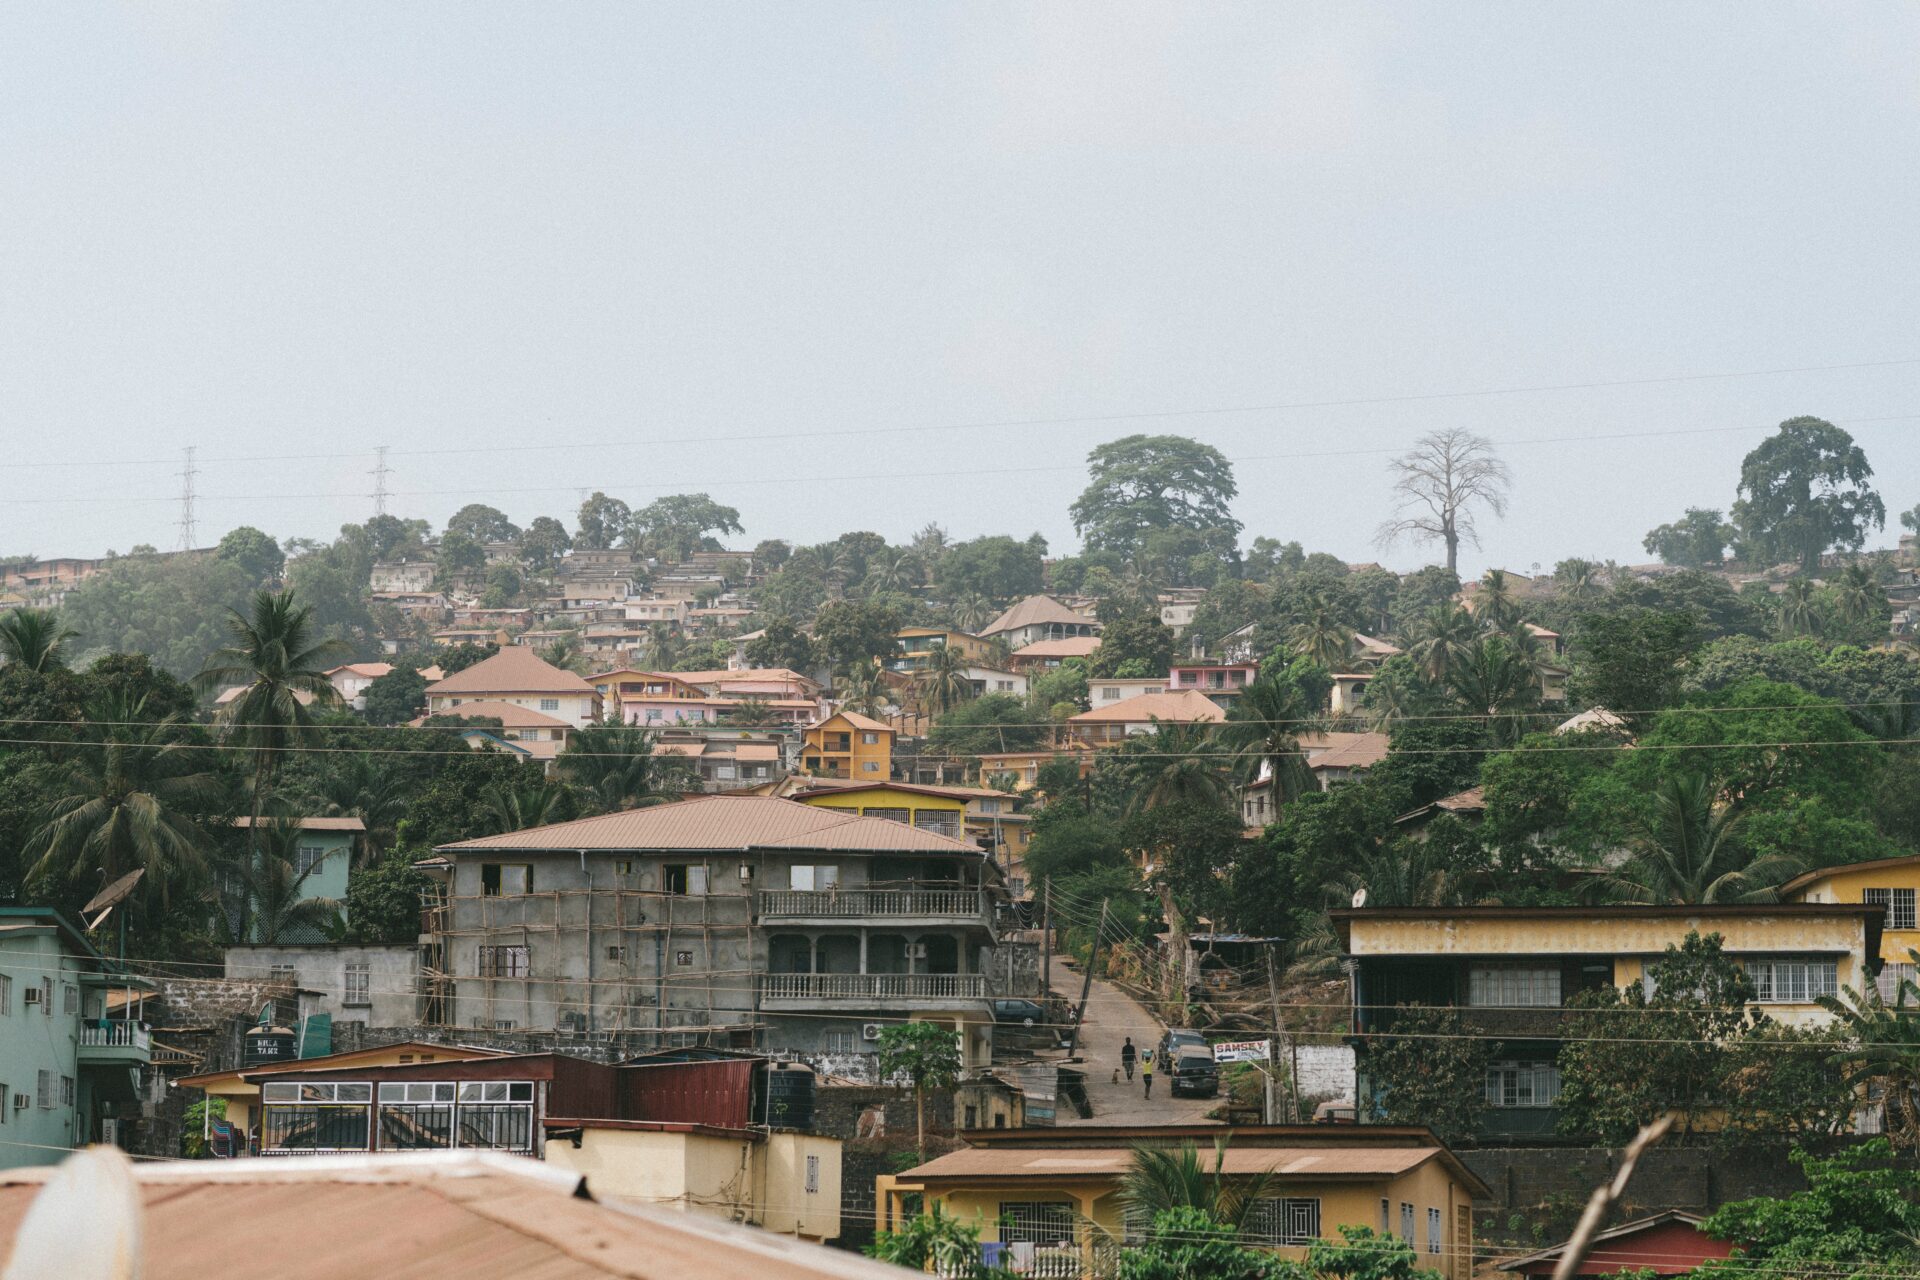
1146, 1070
1127, 1055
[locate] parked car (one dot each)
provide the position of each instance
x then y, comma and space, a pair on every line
1194, 1072
1025, 1013
1175, 1039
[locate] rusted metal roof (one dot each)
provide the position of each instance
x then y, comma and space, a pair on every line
1111, 1162
1031, 611
1184, 707
731, 823
515, 669
429, 1215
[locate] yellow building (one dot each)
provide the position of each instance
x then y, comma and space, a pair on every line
847, 745
784, 1182
980, 814
1892, 883
919, 644
243, 1094
1056, 1191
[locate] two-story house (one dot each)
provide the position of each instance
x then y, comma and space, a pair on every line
1038, 618
322, 856
1221, 680
847, 745
1512, 971
1129, 717
917, 645
521, 678
737, 921
69, 1074
1046, 654
1891, 883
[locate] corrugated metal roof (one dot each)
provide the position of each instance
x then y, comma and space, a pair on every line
510, 715
1112, 1162
1031, 611
1184, 707
1071, 647
729, 822
1345, 750
305, 824
515, 669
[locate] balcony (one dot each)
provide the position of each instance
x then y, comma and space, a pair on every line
930, 907
115, 1043
862, 991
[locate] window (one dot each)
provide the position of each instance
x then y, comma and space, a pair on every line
1386, 1217
1898, 902
1890, 979
944, 822
505, 879
1036, 1222
1514, 986
813, 877
359, 984
989, 806
43, 1090
869, 766
282, 975
618, 954
840, 1042
1290, 1221
1109, 694
973, 1117
683, 959
505, 962
813, 1175
3, 1104
69, 998
1522, 1084
687, 878
1792, 981
1406, 1223
891, 815
66, 1091
623, 866
6, 994
1433, 1231
870, 739
549, 704
307, 857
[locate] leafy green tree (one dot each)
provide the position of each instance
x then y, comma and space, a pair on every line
1426, 1069
133, 676
167, 608
602, 522
544, 545
1131, 633
1631, 1055
1804, 490
620, 766
996, 567
387, 537
1324, 633
942, 684
933, 1241
1491, 679
1362, 1254
1541, 806
1858, 1217
503, 586
1140, 483
1060, 687
1688, 854
483, 524
460, 554
1631, 662
253, 551
1176, 764
850, 631
383, 898
1441, 638
1186, 848
990, 722
1185, 1243
332, 583
781, 644
396, 697
1881, 1051
34, 639
928, 1055
675, 527
1697, 540
1716, 608
459, 657
1068, 841
1438, 486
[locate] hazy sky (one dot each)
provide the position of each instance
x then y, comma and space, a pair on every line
537, 249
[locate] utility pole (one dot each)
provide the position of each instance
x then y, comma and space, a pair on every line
1046, 936
187, 472
1086, 983
380, 473
1293, 1075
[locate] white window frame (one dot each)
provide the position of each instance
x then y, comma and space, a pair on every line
308, 856
1435, 1230
1792, 979
43, 1090
357, 986
1898, 902
1514, 1085
813, 1175
1513, 985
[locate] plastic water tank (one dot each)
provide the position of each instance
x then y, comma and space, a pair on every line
263, 1045
789, 1096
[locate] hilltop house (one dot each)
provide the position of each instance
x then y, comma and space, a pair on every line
737, 921
1038, 618
522, 678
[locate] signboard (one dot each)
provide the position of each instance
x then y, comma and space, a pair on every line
1242, 1051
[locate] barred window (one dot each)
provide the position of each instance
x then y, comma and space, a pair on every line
1792, 981
1514, 986
359, 984
1406, 1223
6, 994
1898, 902
313, 1128
497, 1127
1036, 1222
1290, 1221
1522, 1084
505, 962
813, 1175
1890, 979
1433, 1231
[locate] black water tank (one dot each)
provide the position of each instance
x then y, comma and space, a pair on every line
266, 1044
789, 1096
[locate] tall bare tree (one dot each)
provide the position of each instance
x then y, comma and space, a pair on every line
1437, 485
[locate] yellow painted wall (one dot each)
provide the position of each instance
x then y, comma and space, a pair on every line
734, 1179
883, 798
787, 1206
243, 1099
852, 762
1848, 886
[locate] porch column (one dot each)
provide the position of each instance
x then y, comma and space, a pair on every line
863, 951
813, 953
1086, 1231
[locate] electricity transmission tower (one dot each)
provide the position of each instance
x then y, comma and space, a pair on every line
187, 472
380, 473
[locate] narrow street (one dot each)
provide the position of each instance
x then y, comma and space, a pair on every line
1112, 1016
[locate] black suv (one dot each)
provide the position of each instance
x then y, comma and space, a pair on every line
1194, 1072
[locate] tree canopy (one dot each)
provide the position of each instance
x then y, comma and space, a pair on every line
1804, 490
1141, 484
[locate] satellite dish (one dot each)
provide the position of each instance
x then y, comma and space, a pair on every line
1359, 897
110, 897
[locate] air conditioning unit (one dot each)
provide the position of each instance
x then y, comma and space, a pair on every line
35, 995
21, 1101
869, 1031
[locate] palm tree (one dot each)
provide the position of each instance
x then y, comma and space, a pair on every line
1176, 763
357, 785
1442, 638
565, 653
34, 639
1162, 1178
281, 668
1493, 604
1578, 581
929, 544
1402, 873
263, 897
505, 807
943, 683
1856, 596
1882, 1052
1264, 728
864, 690
1492, 679
1322, 634
122, 796
751, 713
617, 762
1796, 612
664, 647
971, 612
897, 571
1686, 853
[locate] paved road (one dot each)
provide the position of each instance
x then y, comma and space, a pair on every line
1112, 1016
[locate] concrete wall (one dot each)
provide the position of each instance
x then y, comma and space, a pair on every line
393, 977
36, 1039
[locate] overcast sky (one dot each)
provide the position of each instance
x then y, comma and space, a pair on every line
545, 248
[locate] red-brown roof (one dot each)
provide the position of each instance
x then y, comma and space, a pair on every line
1071, 647
514, 669
1184, 707
1345, 750
1034, 611
729, 823
510, 715
305, 824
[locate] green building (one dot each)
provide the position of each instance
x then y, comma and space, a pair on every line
69, 1073
322, 854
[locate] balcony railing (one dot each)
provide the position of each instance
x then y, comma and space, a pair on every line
876, 986
854, 903
116, 1035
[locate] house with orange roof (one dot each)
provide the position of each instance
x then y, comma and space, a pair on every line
520, 677
1044, 654
1105, 725
522, 731
847, 745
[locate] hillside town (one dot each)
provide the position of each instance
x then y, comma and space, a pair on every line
1070, 641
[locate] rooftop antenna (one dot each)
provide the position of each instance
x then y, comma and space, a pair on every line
187, 472
380, 473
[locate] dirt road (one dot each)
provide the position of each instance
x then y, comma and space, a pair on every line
1112, 1016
